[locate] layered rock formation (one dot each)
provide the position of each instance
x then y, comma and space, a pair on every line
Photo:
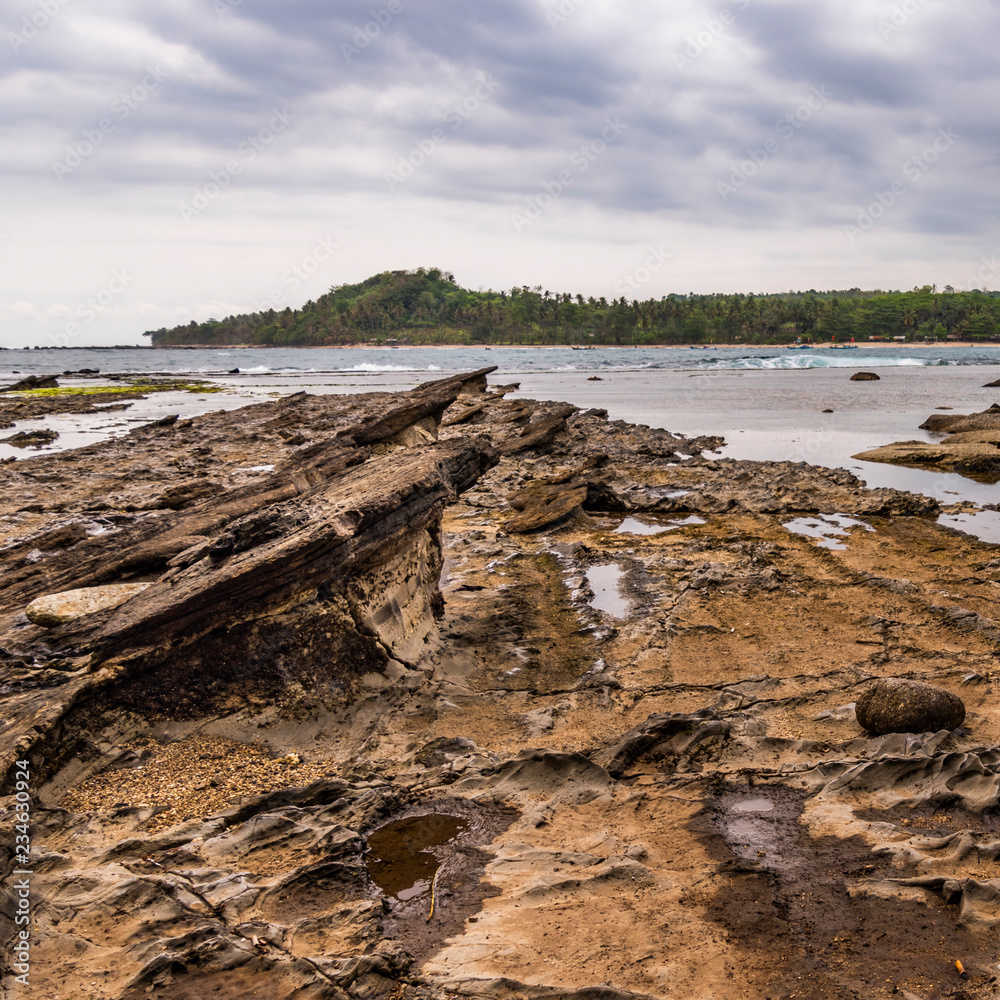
448, 694
970, 447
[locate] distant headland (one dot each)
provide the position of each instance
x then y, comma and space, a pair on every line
427, 306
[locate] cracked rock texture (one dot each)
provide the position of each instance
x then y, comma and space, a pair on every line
587, 696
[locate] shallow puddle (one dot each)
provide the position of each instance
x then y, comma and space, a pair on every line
605, 582
693, 519
984, 524
753, 806
633, 526
827, 529
401, 861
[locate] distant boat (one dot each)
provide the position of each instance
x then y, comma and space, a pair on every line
843, 347
800, 347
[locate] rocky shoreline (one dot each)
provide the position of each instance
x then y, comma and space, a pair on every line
970, 446
572, 683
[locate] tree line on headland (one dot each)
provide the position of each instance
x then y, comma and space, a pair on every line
426, 306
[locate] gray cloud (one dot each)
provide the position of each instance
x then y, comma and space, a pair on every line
484, 106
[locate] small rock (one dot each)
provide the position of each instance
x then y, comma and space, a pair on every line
897, 705
33, 382
443, 750
865, 377
828, 411
58, 609
31, 439
595, 378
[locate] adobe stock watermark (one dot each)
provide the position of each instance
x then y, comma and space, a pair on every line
43, 16
536, 205
901, 13
785, 127
121, 107
92, 307
294, 276
19, 886
989, 269
633, 281
562, 12
912, 170
455, 117
224, 9
371, 30
247, 151
712, 29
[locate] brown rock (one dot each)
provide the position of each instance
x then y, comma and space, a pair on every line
541, 432
58, 609
540, 506
864, 377
897, 705
978, 458
33, 382
971, 448
31, 439
955, 423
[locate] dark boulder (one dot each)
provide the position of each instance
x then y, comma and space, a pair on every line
865, 377
33, 382
31, 439
897, 705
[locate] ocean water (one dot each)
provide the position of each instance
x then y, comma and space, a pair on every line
768, 404
377, 362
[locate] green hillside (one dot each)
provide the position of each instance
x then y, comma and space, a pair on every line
426, 306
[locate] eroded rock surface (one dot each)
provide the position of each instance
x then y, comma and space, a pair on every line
971, 446
382, 613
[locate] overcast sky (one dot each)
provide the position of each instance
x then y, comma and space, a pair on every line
180, 159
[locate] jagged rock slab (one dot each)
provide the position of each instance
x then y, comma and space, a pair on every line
315, 576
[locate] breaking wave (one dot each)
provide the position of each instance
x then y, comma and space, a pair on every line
852, 359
